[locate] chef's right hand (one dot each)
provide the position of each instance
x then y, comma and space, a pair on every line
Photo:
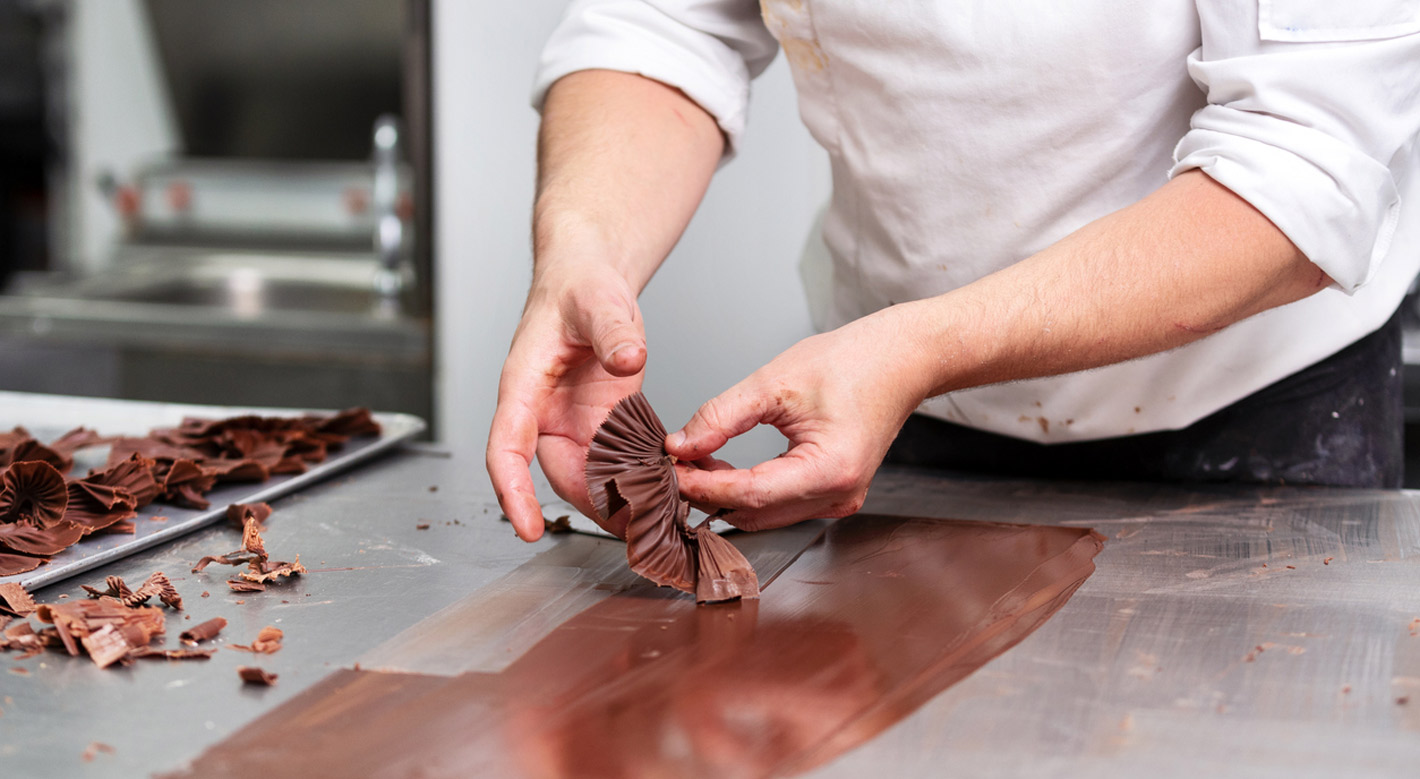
579, 348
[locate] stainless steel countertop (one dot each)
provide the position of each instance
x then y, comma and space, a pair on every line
1144, 672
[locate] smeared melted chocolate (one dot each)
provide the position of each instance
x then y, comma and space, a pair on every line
632, 484
879, 616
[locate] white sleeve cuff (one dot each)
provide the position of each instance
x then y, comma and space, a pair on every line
1338, 205
708, 50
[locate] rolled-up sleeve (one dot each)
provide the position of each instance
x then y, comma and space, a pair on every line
1313, 110
708, 49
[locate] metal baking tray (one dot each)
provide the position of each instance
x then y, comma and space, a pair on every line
49, 416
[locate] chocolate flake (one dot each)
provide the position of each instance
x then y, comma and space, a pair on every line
14, 600
237, 513
203, 631
250, 674
239, 585
156, 584
632, 485
268, 642
93, 749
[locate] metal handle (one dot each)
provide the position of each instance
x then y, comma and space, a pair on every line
389, 227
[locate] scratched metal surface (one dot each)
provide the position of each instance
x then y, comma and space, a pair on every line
1144, 672
49, 416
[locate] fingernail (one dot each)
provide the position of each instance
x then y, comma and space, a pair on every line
675, 440
619, 348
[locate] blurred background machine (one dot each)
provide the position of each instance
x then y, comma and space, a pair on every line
215, 202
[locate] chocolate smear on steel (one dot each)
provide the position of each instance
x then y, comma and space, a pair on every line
632, 484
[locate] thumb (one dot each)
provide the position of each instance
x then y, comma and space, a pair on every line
617, 335
722, 418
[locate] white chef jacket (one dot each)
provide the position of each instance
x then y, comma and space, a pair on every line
967, 135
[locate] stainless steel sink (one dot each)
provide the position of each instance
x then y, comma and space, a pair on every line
306, 302
210, 326
246, 284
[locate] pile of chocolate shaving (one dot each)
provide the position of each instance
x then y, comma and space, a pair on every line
632, 485
260, 569
42, 512
268, 642
252, 675
107, 629
156, 584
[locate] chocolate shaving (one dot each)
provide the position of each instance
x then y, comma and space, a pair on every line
156, 584
32, 492
239, 585
203, 631
250, 674
172, 654
96, 506
14, 600
237, 513
41, 514
267, 642
107, 629
271, 571
632, 485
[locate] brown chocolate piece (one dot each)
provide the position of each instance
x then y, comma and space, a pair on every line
203, 631
632, 485
108, 630
32, 492
252, 675
14, 600
157, 584
267, 642
237, 513
238, 585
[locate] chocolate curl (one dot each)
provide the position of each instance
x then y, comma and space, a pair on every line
32, 492
134, 475
632, 485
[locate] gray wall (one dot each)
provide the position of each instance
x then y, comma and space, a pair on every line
727, 300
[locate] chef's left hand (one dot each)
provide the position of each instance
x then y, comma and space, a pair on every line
839, 397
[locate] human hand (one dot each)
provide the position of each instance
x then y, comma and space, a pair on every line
839, 397
579, 348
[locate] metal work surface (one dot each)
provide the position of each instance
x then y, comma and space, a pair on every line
1193, 650
48, 417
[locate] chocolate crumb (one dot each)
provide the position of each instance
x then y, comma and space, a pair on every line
93, 749
1291, 567
19, 670
1327, 561
422, 526
206, 594
562, 524
433, 488
250, 674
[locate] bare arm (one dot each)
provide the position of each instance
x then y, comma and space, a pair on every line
623, 162
1186, 261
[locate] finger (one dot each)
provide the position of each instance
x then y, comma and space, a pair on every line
735, 411
772, 483
617, 335
511, 443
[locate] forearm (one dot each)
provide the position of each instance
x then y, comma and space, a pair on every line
1182, 263
623, 161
